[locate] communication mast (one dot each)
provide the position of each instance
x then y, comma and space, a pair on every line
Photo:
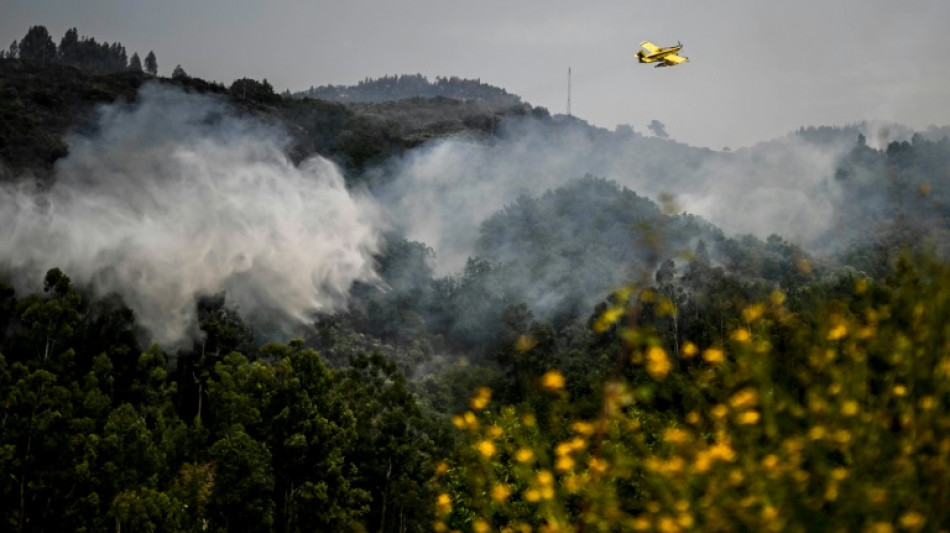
568, 91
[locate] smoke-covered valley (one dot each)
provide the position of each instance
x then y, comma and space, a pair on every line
441, 193
178, 195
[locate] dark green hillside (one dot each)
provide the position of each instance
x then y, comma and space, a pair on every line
402, 87
39, 105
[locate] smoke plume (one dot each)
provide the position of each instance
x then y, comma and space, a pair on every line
175, 196
440, 194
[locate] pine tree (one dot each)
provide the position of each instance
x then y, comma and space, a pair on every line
135, 64
151, 64
69, 49
37, 46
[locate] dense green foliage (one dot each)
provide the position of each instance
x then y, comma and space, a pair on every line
37, 48
97, 433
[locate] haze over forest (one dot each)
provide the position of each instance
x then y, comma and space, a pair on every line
228, 307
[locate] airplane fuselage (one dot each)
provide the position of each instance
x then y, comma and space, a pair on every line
658, 55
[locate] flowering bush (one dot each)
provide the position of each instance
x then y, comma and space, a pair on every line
830, 418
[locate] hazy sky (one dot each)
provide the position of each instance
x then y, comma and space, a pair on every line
758, 69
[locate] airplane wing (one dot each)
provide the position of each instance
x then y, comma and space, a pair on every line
650, 47
674, 59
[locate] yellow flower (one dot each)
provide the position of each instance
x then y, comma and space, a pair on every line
685, 520
865, 333
564, 463
583, 428
753, 312
749, 417
523, 455
495, 431
500, 492
658, 364
703, 461
563, 448
689, 350
745, 398
481, 398
723, 451
881, 527
676, 436
713, 356
481, 526
900, 390
470, 420
641, 523
849, 408
552, 380
675, 464
609, 318
441, 467
838, 332
666, 524
486, 448
842, 436
777, 297
597, 465
443, 504
741, 335
719, 411
912, 521
545, 478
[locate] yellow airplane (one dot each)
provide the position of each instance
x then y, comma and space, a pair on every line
664, 57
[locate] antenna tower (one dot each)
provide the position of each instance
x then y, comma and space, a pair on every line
568, 91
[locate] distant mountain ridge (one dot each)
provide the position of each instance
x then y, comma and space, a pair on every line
403, 86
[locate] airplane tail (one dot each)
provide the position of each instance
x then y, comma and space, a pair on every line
640, 56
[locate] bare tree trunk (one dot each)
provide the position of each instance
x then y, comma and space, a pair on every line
382, 520
288, 506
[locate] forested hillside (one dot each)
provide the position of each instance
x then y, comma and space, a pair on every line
402, 87
227, 309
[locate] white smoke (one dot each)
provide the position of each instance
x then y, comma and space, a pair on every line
174, 196
440, 194
785, 187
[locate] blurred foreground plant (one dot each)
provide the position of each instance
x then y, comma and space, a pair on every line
834, 418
